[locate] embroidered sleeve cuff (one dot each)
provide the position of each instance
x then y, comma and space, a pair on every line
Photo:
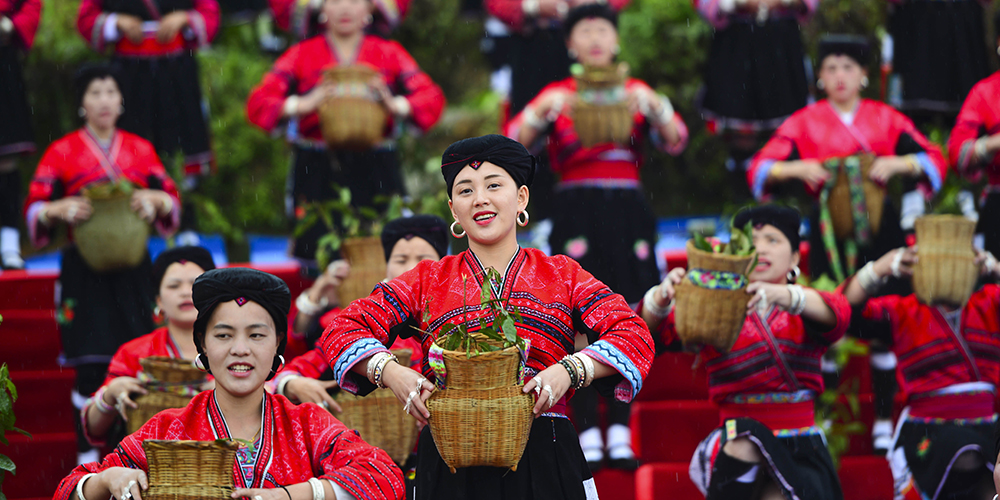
610, 355
109, 31
361, 349
760, 178
933, 175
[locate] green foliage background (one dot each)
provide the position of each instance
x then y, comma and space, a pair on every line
664, 41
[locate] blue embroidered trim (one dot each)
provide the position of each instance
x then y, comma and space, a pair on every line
761, 178
357, 351
610, 355
932, 172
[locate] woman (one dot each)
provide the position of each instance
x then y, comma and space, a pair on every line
154, 44
757, 72
767, 446
407, 241
949, 369
844, 125
974, 146
488, 179
18, 23
174, 272
294, 89
601, 218
97, 154
298, 452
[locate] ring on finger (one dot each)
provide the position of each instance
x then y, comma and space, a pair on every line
552, 396
258, 497
409, 401
71, 214
538, 385
325, 405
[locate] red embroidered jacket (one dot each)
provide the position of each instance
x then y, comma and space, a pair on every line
751, 367
555, 296
931, 355
980, 115
817, 133
297, 442
76, 161
25, 14
604, 161
203, 24
301, 68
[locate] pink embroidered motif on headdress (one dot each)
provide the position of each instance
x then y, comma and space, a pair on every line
241, 300
475, 164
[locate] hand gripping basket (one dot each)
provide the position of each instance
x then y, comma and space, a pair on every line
378, 419
190, 470
946, 269
171, 383
841, 208
708, 316
114, 237
601, 113
482, 417
353, 118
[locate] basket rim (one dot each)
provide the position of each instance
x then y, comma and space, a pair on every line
690, 248
190, 444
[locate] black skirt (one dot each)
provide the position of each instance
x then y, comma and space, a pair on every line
316, 173
163, 104
756, 74
15, 126
939, 51
552, 468
536, 60
800, 465
926, 453
611, 232
989, 223
98, 312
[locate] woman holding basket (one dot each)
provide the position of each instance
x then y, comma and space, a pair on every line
295, 88
99, 311
767, 446
298, 452
488, 179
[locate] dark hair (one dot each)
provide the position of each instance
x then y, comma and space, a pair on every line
90, 72
854, 46
587, 11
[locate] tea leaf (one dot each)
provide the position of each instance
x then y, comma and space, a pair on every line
509, 330
701, 243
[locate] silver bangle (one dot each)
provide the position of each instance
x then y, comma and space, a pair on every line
869, 281
530, 7
291, 106
306, 306
534, 121
979, 148
79, 485
318, 492
666, 114
588, 366
798, 299
649, 304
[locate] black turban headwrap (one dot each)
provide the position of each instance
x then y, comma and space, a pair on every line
587, 11
501, 151
786, 219
182, 254
431, 228
853, 46
242, 285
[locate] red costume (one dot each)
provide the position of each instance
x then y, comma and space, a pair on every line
949, 367
297, 442
159, 81
765, 388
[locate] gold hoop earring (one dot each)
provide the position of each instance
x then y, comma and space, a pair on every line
526, 218
453, 233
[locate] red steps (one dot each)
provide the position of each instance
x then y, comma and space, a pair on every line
43, 404
669, 431
27, 290
42, 462
615, 484
661, 481
30, 339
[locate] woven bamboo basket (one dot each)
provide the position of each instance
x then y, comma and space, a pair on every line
487, 427
841, 212
114, 237
601, 113
488, 370
352, 119
378, 419
946, 270
166, 370
711, 317
190, 470
367, 268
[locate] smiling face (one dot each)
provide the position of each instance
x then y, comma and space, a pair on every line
174, 298
486, 201
103, 103
841, 76
346, 17
594, 41
406, 254
240, 343
774, 255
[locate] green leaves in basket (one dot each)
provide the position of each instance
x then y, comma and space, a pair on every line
740, 242
701, 243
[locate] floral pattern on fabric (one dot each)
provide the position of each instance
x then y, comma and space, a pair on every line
577, 247
65, 314
641, 249
717, 280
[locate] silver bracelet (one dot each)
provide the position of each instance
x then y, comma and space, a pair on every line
534, 121
649, 303
979, 148
318, 492
798, 299
588, 368
376, 366
79, 485
666, 114
869, 281
306, 306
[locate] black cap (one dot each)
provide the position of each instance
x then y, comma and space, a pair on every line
854, 46
786, 219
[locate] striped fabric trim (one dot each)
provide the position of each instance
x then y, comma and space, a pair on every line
361, 349
611, 356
